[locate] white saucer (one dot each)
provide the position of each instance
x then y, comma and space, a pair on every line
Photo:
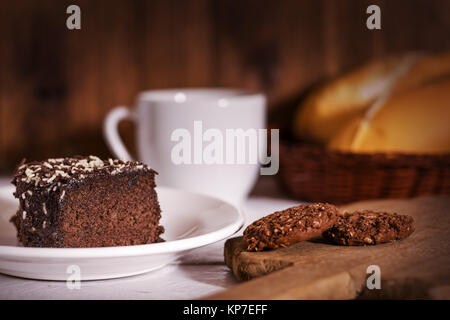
190, 220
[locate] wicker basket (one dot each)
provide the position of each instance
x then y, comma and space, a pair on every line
312, 173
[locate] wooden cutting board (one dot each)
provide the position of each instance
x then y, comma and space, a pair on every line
416, 267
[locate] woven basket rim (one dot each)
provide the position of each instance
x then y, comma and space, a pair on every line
302, 150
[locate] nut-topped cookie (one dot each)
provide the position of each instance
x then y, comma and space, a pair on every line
369, 228
284, 228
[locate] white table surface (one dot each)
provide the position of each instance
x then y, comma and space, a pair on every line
199, 273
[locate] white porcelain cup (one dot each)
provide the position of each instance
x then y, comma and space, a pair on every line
163, 118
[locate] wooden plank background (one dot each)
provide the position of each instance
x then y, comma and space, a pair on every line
56, 85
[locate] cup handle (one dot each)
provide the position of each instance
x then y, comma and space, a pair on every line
111, 132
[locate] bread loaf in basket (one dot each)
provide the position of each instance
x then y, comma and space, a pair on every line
382, 131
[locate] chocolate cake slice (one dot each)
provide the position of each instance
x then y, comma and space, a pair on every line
86, 202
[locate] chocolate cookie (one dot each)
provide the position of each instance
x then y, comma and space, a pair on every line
369, 228
284, 228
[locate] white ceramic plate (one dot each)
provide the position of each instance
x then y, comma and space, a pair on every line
190, 220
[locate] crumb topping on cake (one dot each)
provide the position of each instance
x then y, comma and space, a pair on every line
59, 170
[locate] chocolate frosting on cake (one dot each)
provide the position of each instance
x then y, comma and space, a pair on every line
51, 171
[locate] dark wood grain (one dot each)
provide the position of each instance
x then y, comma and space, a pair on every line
57, 85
